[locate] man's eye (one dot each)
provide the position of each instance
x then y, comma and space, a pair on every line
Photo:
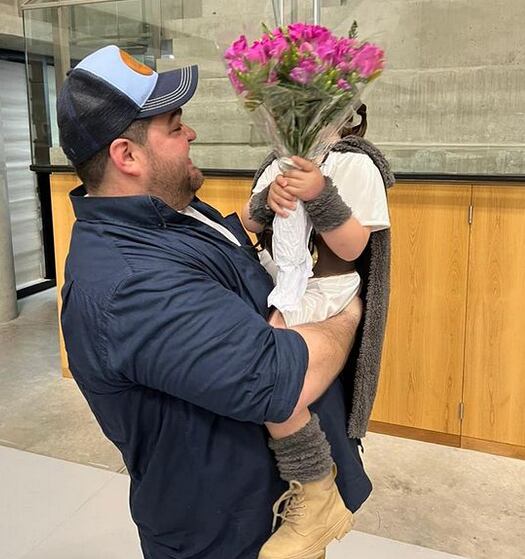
177, 129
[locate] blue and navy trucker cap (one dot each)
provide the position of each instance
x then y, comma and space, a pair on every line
107, 91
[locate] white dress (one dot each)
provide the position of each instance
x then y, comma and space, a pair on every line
300, 297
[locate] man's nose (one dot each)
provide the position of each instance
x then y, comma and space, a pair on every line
190, 133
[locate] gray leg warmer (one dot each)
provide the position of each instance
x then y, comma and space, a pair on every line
305, 455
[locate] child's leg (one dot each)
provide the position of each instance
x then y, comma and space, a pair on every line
301, 449
303, 454
312, 510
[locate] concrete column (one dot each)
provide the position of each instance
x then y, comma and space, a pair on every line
8, 303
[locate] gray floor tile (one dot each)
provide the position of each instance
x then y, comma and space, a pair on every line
366, 546
37, 494
101, 529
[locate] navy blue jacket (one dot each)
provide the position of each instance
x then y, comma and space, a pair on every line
164, 321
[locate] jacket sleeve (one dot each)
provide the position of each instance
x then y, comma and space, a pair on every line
190, 337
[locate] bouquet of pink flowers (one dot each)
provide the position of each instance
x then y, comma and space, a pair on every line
302, 83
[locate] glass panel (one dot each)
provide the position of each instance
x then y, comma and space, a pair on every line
452, 100
197, 32
57, 38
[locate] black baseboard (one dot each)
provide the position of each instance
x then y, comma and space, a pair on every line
35, 288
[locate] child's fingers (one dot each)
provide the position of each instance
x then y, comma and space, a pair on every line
281, 181
277, 209
304, 164
294, 174
281, 192
294, 184
283, 202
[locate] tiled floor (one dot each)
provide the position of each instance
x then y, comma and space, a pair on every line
52, 509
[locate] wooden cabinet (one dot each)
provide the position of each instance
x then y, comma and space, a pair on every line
225, 194
422, 366
453, 366
494, 393
63, 220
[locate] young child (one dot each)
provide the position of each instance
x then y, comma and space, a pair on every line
345, 200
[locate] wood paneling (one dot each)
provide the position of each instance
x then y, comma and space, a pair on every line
495, 348
225, 194
63, 220
422, 368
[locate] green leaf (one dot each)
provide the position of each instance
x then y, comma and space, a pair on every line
266, 30
352, 34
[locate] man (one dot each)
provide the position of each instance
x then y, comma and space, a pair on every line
166, 326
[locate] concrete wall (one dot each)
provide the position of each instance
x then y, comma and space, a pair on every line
11, 29
451, 101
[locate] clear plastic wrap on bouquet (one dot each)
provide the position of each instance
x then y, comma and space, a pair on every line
301, 85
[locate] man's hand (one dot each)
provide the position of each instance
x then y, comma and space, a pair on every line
306, 182
279, 199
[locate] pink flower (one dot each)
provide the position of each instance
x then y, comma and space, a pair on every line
277, 47
303, 32
237, 48
257, 53
343, 67
235, 81
368, 60
343, 84
304, 72
296, 31
306, 48
326, 50
238, 65
344, 47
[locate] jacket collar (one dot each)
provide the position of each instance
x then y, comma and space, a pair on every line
145, 210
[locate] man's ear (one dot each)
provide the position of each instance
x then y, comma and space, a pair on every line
126, 156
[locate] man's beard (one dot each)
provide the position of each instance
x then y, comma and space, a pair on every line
174, 182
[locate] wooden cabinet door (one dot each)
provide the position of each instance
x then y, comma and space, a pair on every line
422, 367
63, 221
494, 393
228, 195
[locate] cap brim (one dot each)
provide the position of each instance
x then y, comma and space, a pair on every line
172, 91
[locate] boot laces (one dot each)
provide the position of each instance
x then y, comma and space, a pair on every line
292, 503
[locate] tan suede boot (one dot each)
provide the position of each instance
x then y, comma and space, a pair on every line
313, 515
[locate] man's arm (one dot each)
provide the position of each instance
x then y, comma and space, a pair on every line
183, 333
329, 343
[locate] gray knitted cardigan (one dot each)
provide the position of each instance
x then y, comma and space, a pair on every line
361, 372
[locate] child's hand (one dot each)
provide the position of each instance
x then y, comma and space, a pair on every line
307, 182
279, 199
